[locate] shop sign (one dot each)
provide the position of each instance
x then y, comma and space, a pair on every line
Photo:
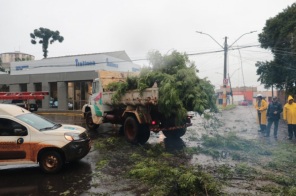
110, 64
21, 67
84, 63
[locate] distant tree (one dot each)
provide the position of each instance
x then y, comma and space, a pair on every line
1, 67
46, 36
279, 35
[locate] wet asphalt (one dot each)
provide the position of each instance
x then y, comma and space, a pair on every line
75, 178
79, 178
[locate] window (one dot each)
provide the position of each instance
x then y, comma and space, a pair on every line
23, 87
11, 128
38, 87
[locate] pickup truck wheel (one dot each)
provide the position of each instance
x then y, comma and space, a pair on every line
131, 130
89, 122
174, 133
51, 162
144, 134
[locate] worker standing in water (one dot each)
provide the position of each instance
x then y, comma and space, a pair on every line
289, 115
261, 107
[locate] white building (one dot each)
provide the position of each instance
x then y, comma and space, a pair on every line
7, 58
68, 79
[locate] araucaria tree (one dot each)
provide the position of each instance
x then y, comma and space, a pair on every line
46, 36
279, 35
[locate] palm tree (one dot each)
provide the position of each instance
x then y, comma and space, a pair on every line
46, 36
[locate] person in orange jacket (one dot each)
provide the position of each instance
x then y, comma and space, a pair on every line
261, 107
289, 115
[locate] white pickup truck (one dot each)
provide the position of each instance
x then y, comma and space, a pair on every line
26, 138
136, 112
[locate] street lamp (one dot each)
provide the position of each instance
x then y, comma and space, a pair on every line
225, 48
234, 72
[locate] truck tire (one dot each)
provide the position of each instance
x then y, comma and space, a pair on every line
174, 133
51, 161
131, 130
89, 122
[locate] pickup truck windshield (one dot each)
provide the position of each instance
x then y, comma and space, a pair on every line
37, 121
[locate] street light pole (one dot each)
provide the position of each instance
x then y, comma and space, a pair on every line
225, 48
225, 81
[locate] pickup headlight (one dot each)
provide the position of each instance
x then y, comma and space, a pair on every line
72, 136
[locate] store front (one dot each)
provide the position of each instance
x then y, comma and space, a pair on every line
68, 79
78, 94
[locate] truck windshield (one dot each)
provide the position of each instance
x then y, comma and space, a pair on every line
36, 121
96, 87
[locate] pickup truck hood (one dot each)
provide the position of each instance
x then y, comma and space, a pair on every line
64, 129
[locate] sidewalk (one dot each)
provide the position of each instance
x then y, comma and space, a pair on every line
60, 112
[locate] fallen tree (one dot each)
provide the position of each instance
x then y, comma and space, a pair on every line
180, 89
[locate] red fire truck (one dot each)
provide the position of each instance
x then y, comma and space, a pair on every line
22, 98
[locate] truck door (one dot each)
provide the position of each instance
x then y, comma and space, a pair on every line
14, 141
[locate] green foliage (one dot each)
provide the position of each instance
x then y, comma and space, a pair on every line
291, 191
278, 162
152, 166
281, 179
225, 172
46, 36
101, 164
230, 141
278, 35
228, 107
180, 89
270, 189
172, 177
244, 170
120, 89
1, 67
283, 158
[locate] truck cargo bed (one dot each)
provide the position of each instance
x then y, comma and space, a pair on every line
134, 97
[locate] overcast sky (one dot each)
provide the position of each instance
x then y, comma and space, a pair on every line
140, 26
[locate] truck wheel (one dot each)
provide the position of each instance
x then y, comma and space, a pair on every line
144, 134
131, 130
50, 162
174, 133
89, 122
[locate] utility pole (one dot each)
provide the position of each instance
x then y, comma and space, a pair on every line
225, 48
225, 81
231, 93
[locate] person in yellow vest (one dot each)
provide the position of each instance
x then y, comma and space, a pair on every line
289, 115
261, 107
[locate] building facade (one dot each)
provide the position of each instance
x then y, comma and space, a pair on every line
68, 79
7, 58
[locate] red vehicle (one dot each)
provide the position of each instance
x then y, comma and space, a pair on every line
244, 103
21, 98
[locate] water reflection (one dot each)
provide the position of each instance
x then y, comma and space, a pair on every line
74, 179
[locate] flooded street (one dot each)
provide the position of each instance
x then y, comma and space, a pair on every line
83, 178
